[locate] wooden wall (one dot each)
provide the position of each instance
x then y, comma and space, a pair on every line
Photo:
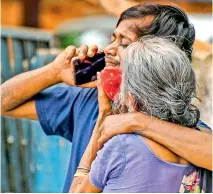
53, 12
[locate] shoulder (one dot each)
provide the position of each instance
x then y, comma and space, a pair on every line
112, 150
113, 144
141, 145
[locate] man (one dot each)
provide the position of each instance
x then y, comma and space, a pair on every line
71, 112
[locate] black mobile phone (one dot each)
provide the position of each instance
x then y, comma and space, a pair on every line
85, 71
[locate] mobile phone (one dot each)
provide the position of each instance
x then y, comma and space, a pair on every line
85, 71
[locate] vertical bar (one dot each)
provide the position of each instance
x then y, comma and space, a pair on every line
35, 62
10, 139
30, 50
5, 188
35, 127
26, 152
30, 149
14, 154
31, 9
6, 69
22, 139
18, 49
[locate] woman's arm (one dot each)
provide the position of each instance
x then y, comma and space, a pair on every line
195, 146
83, 185
81, 181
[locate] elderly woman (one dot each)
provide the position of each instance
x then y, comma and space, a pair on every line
158, 80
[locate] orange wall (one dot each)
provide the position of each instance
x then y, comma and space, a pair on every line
53, 12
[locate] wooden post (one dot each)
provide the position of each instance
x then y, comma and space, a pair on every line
31, 13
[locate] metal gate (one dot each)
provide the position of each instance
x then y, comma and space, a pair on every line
30, 161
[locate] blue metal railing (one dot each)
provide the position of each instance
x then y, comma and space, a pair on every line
31, 161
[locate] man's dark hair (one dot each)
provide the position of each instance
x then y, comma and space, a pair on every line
168, 21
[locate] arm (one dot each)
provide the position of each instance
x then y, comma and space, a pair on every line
195, 146
82, 183
17, 93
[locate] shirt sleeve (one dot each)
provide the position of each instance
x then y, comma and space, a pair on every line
109, 163
56, 107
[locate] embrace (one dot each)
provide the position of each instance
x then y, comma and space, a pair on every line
150, 138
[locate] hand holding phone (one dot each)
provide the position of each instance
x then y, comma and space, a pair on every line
86, 70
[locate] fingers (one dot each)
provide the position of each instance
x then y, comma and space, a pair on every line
92, 51
72, 67
101, 91
102, 140
83, 52
99, 86
70, 53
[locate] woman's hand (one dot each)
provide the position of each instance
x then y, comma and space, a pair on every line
103, 100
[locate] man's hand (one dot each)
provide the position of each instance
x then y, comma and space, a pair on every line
64, 64
116, 124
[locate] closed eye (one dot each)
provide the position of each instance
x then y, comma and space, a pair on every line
112, 39
124, 45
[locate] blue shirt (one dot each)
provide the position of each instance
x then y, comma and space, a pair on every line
70, 112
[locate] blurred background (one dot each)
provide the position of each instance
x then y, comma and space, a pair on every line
32, 33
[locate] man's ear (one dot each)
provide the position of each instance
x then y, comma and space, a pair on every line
132, 105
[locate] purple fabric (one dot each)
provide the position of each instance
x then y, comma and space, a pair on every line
127, 164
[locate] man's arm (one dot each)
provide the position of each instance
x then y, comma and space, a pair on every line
195, 146
17, 93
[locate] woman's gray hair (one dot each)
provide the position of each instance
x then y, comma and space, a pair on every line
160, 78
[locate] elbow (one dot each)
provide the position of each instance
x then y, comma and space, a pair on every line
5, 111
4, 104
4, 108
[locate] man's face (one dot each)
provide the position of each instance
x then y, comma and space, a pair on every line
122, 37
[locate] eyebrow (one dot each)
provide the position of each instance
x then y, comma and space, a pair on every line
122, 36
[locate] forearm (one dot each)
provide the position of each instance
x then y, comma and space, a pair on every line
195, 146
24, 86
77, 181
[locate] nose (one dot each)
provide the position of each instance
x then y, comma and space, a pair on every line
111, 49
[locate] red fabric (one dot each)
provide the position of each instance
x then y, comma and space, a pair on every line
111, 81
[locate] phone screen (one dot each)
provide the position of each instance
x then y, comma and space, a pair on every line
85, 71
